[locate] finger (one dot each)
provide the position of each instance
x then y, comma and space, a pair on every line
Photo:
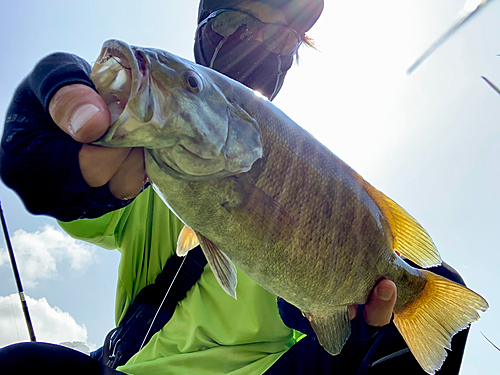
130, 177
98, 164
79, 111
378, 310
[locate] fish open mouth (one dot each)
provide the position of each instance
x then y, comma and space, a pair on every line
120, 74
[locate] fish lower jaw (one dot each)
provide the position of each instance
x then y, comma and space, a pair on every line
120, 74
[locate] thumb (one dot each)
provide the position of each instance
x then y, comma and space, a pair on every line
81, 112
378, 310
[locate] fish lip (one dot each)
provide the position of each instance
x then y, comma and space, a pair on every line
132, 59
137, 63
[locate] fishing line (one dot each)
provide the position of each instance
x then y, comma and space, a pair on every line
496, 347
14, 316
17, 277
468, 15
159, 308
118, 61
109, 57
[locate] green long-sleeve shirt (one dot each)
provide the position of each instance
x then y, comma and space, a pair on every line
210, 332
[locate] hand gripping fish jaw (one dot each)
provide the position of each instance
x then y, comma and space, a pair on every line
158, 100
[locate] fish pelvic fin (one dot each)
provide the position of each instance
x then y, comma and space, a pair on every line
410, 239
186, 241
332, 330
442, 309
223, 268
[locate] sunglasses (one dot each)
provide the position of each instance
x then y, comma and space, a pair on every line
277, 38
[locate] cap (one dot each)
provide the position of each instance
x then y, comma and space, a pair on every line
300, 15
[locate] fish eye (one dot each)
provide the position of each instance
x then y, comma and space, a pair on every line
192, 82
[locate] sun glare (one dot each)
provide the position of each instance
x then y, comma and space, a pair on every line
472, 5
259, 94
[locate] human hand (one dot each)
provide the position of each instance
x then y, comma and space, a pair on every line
379, 308
80, 112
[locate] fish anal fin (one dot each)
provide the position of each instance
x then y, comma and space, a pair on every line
332, 329
223, 268
428, 324
258, 210
186, 241
409, 238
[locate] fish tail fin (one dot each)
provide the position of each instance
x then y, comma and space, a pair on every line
442, 309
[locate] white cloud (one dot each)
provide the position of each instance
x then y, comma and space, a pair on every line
51, 324
38, 253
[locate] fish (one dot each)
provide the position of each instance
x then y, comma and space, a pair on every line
260, 193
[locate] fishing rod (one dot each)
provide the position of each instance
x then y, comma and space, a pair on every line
18, 278
471, 8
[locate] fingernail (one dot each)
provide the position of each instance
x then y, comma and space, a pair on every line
384, 293
82, 115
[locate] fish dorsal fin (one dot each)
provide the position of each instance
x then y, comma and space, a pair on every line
186, 241
410, 239
222, 267
333, 329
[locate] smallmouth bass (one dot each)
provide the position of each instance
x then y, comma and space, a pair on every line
259, 192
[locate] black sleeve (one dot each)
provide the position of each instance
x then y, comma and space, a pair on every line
37, 159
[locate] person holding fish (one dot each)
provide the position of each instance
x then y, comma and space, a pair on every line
101, 195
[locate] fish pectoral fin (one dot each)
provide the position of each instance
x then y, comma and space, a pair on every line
222, 267
441, 310
186, 241
410, 239
256, 209
332, 330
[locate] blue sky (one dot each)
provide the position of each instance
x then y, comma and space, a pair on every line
430, 141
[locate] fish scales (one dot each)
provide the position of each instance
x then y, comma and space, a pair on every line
299, 173
259, 192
